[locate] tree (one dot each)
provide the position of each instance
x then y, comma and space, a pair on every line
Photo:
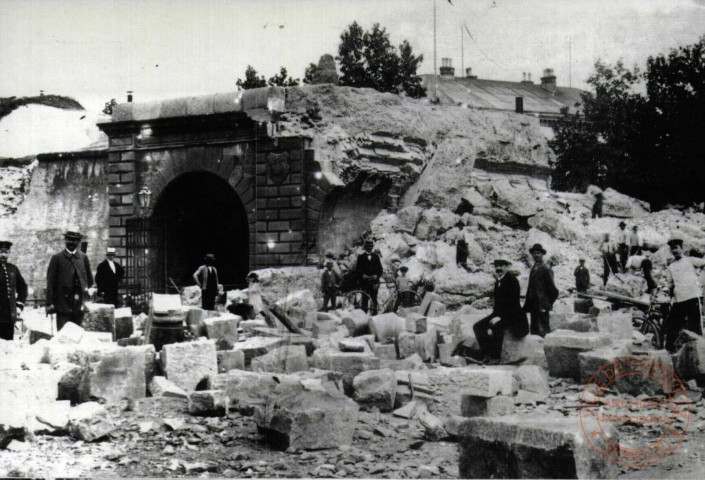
108, 110
648, 145
251, 80
408, 65
310, 73
281, 80
352, 59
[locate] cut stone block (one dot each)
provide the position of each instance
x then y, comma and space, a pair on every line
124, 326
161, 387
416, 323
487, 381
69, 333
208, 403
387, 327
96, 337
406, 344
530, 347
257, 346
427, 345
52, 418
321, 328
188, 364
195, 319
230, 360
689, 360
436, 309
352, 345
249, 326
445, 351
99, 317
408, 411
426, 302
617, 325
223, 330
69, 381
532, 446
594, 360
563, 346
375, 388
349, 364
434, 429
244, 389
117, 376
388, 351
90, 422
288, 359
165, 304
475, 406
297, 418
404, 377
524, 397
533, 379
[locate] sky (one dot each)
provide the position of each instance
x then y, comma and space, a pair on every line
95, 50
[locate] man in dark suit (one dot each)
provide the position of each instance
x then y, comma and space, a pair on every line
330, 284
541, 293
506, 314
13, 293
68, 279
369, 270
107, 277
206, 277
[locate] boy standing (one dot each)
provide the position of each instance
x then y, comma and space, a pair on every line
330, 283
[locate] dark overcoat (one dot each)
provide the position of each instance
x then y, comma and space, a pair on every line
542, 291
60, 280
507, 306
368, 266
107, 281
14, 289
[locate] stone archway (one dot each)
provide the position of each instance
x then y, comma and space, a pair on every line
201, 213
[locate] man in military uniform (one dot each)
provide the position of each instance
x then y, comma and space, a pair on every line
69, 277
13, 292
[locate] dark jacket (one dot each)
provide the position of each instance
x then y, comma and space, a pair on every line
542, 292
582, 278
507, 306
107, 281
14, 291
330, 281
371, 266
60, 280
207, 283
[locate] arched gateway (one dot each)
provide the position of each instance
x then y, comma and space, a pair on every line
221, 180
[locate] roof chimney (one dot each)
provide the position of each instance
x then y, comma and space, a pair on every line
447, 69
526, 77
468, 73
129, 96
548, 81
41, 93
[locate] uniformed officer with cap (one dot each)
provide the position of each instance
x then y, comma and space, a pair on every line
685, 292
13, 292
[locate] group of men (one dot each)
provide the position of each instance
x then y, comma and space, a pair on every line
615, 253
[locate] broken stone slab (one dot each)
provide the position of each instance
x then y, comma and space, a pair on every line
406, 344
452, 425
356, 322
618, 325
301, 299
257, 346
124, 325
434, 429
208, 403
250, 326
445, 351
530, 347
476, 406
52, 419
487, 381
414, 362
289, 338
245, 390
90, 422
223, 330
375, 388
301, 419
563, 346
436, 309
426, 302
195, 320
321, 328
99, 317
230, 360
427, 345
532, 446
116, 376
69, 333
417, 379
689, 359
594, 360
191, 295
388, 351
387, 327
415, 323
350, 364
286, 359
408, 411
96, 337
161, 387
353, 345
532, 379
524, 397
188, 364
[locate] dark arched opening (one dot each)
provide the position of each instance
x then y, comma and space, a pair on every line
202, 214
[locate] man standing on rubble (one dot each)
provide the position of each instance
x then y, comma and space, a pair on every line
369, 270
623, 246
541, 293
582, 277
685, 292
506, 314
68, 279
13, 293
206, 277
107, 277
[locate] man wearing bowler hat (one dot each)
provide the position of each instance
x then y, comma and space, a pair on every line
506, 314
13, 292
68, 279
369, 270
541, 293
686, 293
108, 276
206, 277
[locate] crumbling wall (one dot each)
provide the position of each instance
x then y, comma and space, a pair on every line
62, 192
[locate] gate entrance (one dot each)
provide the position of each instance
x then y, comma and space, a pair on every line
196, 213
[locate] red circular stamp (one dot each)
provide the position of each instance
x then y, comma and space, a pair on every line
659, 411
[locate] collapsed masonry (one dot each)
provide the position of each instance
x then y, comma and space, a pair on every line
306, 390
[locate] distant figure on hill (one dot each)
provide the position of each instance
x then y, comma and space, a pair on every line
636, 243
623, 246
597, 206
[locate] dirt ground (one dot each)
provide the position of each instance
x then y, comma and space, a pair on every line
158, 438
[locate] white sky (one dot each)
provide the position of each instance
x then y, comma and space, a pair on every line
94, 50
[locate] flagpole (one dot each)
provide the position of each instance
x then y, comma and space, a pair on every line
462, 52
435, 75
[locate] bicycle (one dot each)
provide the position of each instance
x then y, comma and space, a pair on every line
359, 299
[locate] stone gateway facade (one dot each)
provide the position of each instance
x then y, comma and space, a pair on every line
221, 181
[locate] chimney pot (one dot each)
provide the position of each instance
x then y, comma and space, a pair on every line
548, 81
447, 69
129, 96
41, 93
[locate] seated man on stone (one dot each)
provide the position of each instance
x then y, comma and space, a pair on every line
507, 314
